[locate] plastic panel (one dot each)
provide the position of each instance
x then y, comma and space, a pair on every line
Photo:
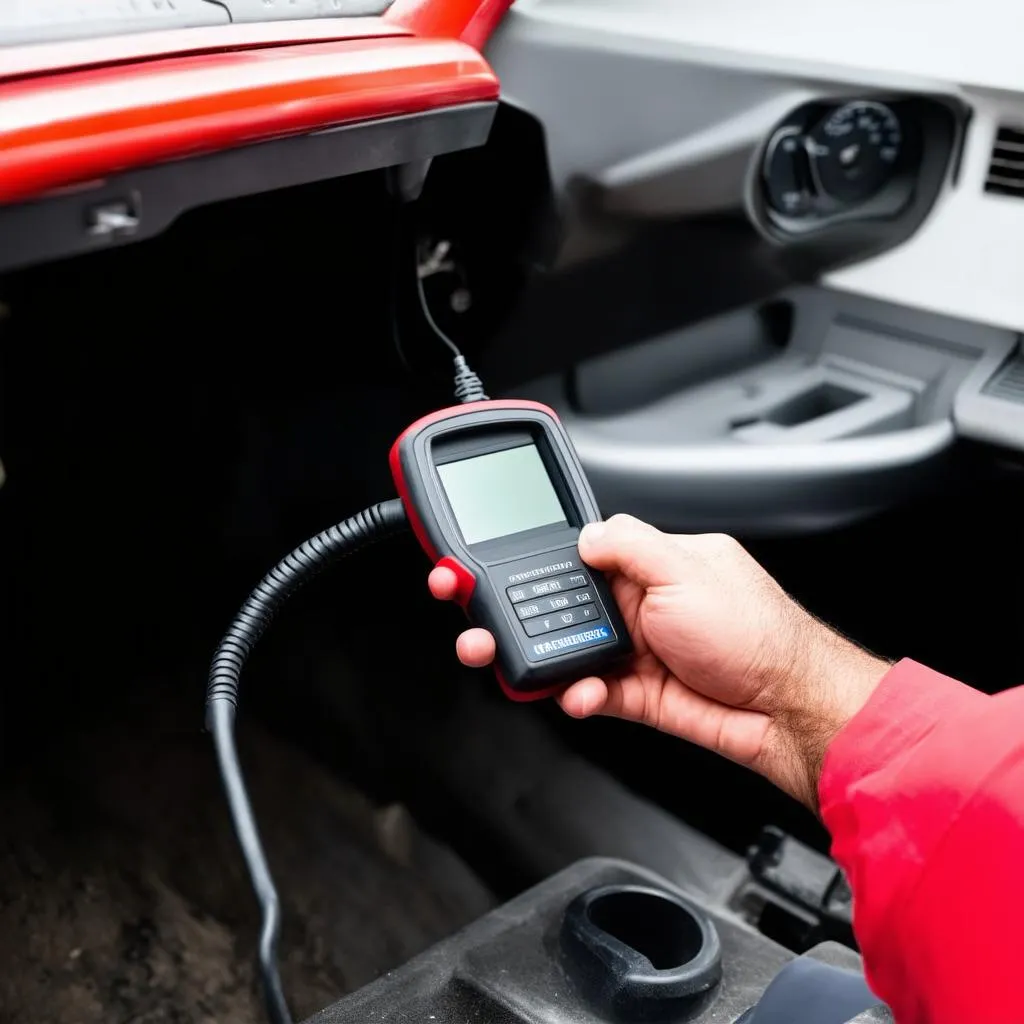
506, 969
586, 69
155, 196
587, 88
993, 410
39, 21
966, 259
835, 41
720, 456
292, 10
696, 71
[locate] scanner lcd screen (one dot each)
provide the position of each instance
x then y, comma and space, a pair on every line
501, 493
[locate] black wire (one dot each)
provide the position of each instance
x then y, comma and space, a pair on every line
468, 386
429, 317
374, 523
221, 722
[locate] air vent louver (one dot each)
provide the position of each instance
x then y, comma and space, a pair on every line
1008, 383
1006, 170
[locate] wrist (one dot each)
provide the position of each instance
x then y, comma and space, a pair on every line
829, 680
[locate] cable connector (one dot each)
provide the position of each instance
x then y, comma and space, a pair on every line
468, 386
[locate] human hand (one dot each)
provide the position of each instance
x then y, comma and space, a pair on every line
723, 657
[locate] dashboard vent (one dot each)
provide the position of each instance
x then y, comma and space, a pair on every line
1006, 169
1008, 383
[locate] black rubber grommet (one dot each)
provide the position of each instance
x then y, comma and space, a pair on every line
639, 953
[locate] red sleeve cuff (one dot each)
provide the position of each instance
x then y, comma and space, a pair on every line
905, 707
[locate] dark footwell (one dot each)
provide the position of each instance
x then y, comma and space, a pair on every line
123, 899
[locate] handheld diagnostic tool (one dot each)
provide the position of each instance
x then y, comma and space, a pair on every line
495, 491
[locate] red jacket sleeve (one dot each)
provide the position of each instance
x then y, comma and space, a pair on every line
923, 792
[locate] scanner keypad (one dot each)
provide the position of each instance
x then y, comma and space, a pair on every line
562, 607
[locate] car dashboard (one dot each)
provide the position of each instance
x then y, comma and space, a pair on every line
688, 112
762, 259
885, 175
964, 55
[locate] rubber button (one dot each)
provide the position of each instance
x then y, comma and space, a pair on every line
547, 605
561, 620
551, 585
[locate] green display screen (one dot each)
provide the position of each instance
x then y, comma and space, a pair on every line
501, 493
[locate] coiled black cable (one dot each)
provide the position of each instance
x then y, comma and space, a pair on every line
374, 523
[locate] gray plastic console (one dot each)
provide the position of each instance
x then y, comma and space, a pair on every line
642, 121
507, 967
993, 410
727, 426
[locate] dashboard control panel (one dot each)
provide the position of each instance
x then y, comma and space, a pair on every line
830, 162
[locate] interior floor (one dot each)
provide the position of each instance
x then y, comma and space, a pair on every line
123, 897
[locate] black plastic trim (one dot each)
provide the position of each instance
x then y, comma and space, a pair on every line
65, 224
506, 968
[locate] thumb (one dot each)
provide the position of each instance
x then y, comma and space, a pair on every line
639, 551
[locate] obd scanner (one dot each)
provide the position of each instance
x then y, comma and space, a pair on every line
495, 492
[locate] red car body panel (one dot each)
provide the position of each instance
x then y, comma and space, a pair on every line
472, 21
72, 113
69, 54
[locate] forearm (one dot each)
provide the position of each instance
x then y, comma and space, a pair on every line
816, 692
923, 792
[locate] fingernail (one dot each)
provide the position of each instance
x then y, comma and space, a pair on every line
592, 533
